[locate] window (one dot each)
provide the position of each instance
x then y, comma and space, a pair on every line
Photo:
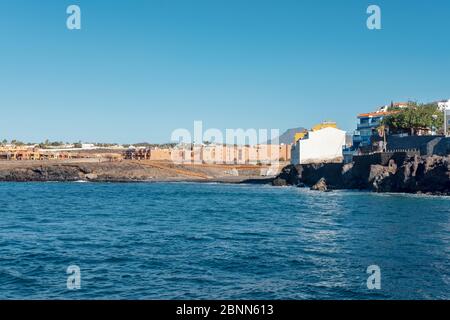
364, 121
375, 120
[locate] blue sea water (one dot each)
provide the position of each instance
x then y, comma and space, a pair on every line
216, 241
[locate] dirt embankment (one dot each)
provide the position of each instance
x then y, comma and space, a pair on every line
125, 171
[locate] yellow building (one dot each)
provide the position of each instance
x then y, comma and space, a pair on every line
161, 154
300, 135
325, 124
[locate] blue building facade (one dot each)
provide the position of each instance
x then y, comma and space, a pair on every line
367, 128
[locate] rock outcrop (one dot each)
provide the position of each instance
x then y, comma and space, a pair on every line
398, 173
124, 171
289, 176
321, 185
43, 173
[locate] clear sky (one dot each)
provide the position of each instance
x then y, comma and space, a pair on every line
138, 69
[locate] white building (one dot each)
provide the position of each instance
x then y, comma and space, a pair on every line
386, 108
319, 146
444, 105
447, 122
88, 146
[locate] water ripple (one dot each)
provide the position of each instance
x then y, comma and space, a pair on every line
213, 241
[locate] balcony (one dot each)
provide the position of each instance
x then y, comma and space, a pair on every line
362, 126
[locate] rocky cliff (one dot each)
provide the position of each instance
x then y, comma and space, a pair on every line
395, 173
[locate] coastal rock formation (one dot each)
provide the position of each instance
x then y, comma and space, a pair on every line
124, 171
288, 176
429, 175
321, 185
394, 173
23, 172
42, 173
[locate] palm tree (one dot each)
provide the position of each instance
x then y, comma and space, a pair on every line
382, 133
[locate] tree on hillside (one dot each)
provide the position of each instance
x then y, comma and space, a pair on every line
415, 117
78, 145
17, 143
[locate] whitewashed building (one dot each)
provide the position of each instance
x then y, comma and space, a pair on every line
447, 122
319, 146
444, 105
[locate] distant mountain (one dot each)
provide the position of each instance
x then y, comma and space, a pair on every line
288, 136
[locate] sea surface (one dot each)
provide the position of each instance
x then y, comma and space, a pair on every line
218, 241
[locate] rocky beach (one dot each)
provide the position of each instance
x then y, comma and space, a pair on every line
126, 171
395, 172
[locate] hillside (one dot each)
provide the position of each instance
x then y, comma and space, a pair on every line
288, 136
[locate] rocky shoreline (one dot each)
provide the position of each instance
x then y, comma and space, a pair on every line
396, 173
124, 171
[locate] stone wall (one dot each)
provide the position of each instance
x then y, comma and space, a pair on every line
426, 145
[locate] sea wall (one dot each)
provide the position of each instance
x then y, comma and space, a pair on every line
388, 172
425, 145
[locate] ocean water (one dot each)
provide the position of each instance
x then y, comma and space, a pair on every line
216, 241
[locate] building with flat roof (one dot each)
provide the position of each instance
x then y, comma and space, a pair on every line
444, 104
447, 121
324, 143
367, 127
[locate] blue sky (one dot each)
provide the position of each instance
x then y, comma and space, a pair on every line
140, 69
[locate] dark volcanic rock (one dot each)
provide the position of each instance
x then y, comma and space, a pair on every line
321, 185
430, 175
311, 174
120, 171
279, 182
289, 176
419, 175
48, 173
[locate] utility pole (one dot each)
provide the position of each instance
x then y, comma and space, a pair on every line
445, 121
